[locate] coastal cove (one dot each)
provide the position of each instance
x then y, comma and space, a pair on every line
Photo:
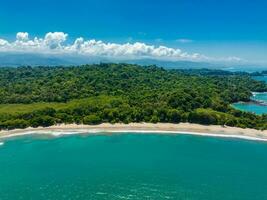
132, 165
258, 104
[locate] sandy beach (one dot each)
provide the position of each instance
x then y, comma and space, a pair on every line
141, 128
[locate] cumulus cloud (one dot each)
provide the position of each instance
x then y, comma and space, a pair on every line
56, 43
3, 43
22, 36
55, 40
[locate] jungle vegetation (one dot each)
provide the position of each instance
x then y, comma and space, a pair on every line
93, 94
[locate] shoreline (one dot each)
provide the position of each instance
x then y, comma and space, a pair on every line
258, 101
141, 128
254, 101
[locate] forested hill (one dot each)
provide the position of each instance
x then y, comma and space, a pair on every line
33, 96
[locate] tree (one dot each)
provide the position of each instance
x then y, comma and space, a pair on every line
174, 116
42, 121
92, 119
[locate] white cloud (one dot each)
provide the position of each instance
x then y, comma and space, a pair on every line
234, 59
22, 36
56, 43
3, 43
55, 40
184, 40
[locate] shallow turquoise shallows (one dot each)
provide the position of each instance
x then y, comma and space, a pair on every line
252, 107
260, 96
261, 78
133, 167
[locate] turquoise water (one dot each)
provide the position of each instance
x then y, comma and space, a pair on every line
252, 107
133, 167
260, 96
261, 78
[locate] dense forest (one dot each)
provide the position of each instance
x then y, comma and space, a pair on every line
92, 94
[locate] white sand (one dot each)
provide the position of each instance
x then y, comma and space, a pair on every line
142, 128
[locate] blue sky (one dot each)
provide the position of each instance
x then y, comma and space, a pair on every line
217, 29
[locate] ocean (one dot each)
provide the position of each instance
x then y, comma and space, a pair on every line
131, 166
252, 107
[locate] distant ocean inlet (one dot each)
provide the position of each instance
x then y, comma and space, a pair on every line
258, 105
131, 166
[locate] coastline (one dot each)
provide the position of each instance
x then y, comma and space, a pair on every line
258, 101
141, 128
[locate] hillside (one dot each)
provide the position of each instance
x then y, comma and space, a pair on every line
91, 94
